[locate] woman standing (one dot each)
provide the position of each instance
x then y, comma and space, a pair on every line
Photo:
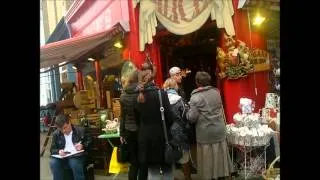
206, 110
180, 126
151, 139
128, 125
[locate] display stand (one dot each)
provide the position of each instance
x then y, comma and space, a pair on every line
249, 164
108, 137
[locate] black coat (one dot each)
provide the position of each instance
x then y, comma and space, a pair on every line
151, 140
128, 99
180, 128
78, 134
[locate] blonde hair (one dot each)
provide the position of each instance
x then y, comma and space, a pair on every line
131, 79
170, 83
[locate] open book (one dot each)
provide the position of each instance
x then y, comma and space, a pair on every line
71, 154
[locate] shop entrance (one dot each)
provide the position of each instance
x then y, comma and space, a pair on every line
195, 51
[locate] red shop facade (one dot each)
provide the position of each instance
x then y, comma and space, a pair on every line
87, 17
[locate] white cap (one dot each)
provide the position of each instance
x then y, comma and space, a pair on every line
174, 70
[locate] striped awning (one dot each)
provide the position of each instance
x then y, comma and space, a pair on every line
73, 49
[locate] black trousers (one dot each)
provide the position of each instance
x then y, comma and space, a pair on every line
135, 170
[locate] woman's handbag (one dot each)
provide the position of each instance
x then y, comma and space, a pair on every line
123, 153
171, 153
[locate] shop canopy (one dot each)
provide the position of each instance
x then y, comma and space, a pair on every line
73, 49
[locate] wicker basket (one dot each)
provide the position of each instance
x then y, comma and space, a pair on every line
271, 173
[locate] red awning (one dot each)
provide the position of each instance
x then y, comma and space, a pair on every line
74, 48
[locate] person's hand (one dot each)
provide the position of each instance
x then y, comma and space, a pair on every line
122, 139
61, 152
78, 147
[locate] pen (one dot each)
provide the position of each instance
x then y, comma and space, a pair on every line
78, 143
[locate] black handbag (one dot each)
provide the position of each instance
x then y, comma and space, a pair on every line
123, 153
171, 153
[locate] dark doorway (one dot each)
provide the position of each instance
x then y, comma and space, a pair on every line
195, 51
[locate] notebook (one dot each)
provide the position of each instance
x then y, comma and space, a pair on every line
71, 154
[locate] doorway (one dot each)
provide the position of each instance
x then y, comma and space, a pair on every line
195, 51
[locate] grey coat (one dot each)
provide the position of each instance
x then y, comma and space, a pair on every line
206, 112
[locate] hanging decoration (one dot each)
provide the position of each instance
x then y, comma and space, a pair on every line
235, 63
182, 16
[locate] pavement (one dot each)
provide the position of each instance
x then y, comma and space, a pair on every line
45, 173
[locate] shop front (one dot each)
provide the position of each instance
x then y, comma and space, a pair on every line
184, 21
213, 36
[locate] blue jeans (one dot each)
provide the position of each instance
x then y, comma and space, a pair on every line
57, 167
154, 172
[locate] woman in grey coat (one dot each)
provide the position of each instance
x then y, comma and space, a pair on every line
206, 112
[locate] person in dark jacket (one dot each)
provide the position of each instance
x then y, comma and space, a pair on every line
151, 139
175, 73
68, 138
129, 127
180, 126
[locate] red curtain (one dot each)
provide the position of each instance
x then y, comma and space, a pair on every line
233, 90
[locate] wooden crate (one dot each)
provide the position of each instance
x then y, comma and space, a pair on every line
115, 102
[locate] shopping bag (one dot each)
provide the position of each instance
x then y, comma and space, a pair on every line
115, 167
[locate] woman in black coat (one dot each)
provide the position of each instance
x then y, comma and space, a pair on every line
151, 139
128, 125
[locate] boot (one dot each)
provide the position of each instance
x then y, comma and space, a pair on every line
187, 170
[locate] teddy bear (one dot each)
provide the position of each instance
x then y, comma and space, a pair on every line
243, 52
232, 53
221, 60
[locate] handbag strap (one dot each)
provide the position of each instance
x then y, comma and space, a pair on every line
162, 118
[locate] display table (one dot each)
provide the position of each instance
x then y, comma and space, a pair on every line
250, 165
108, 137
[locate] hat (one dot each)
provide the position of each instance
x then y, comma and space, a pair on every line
174, 70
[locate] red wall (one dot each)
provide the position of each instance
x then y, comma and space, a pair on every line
233, 90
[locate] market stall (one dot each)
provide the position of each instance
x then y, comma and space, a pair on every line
98, 63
